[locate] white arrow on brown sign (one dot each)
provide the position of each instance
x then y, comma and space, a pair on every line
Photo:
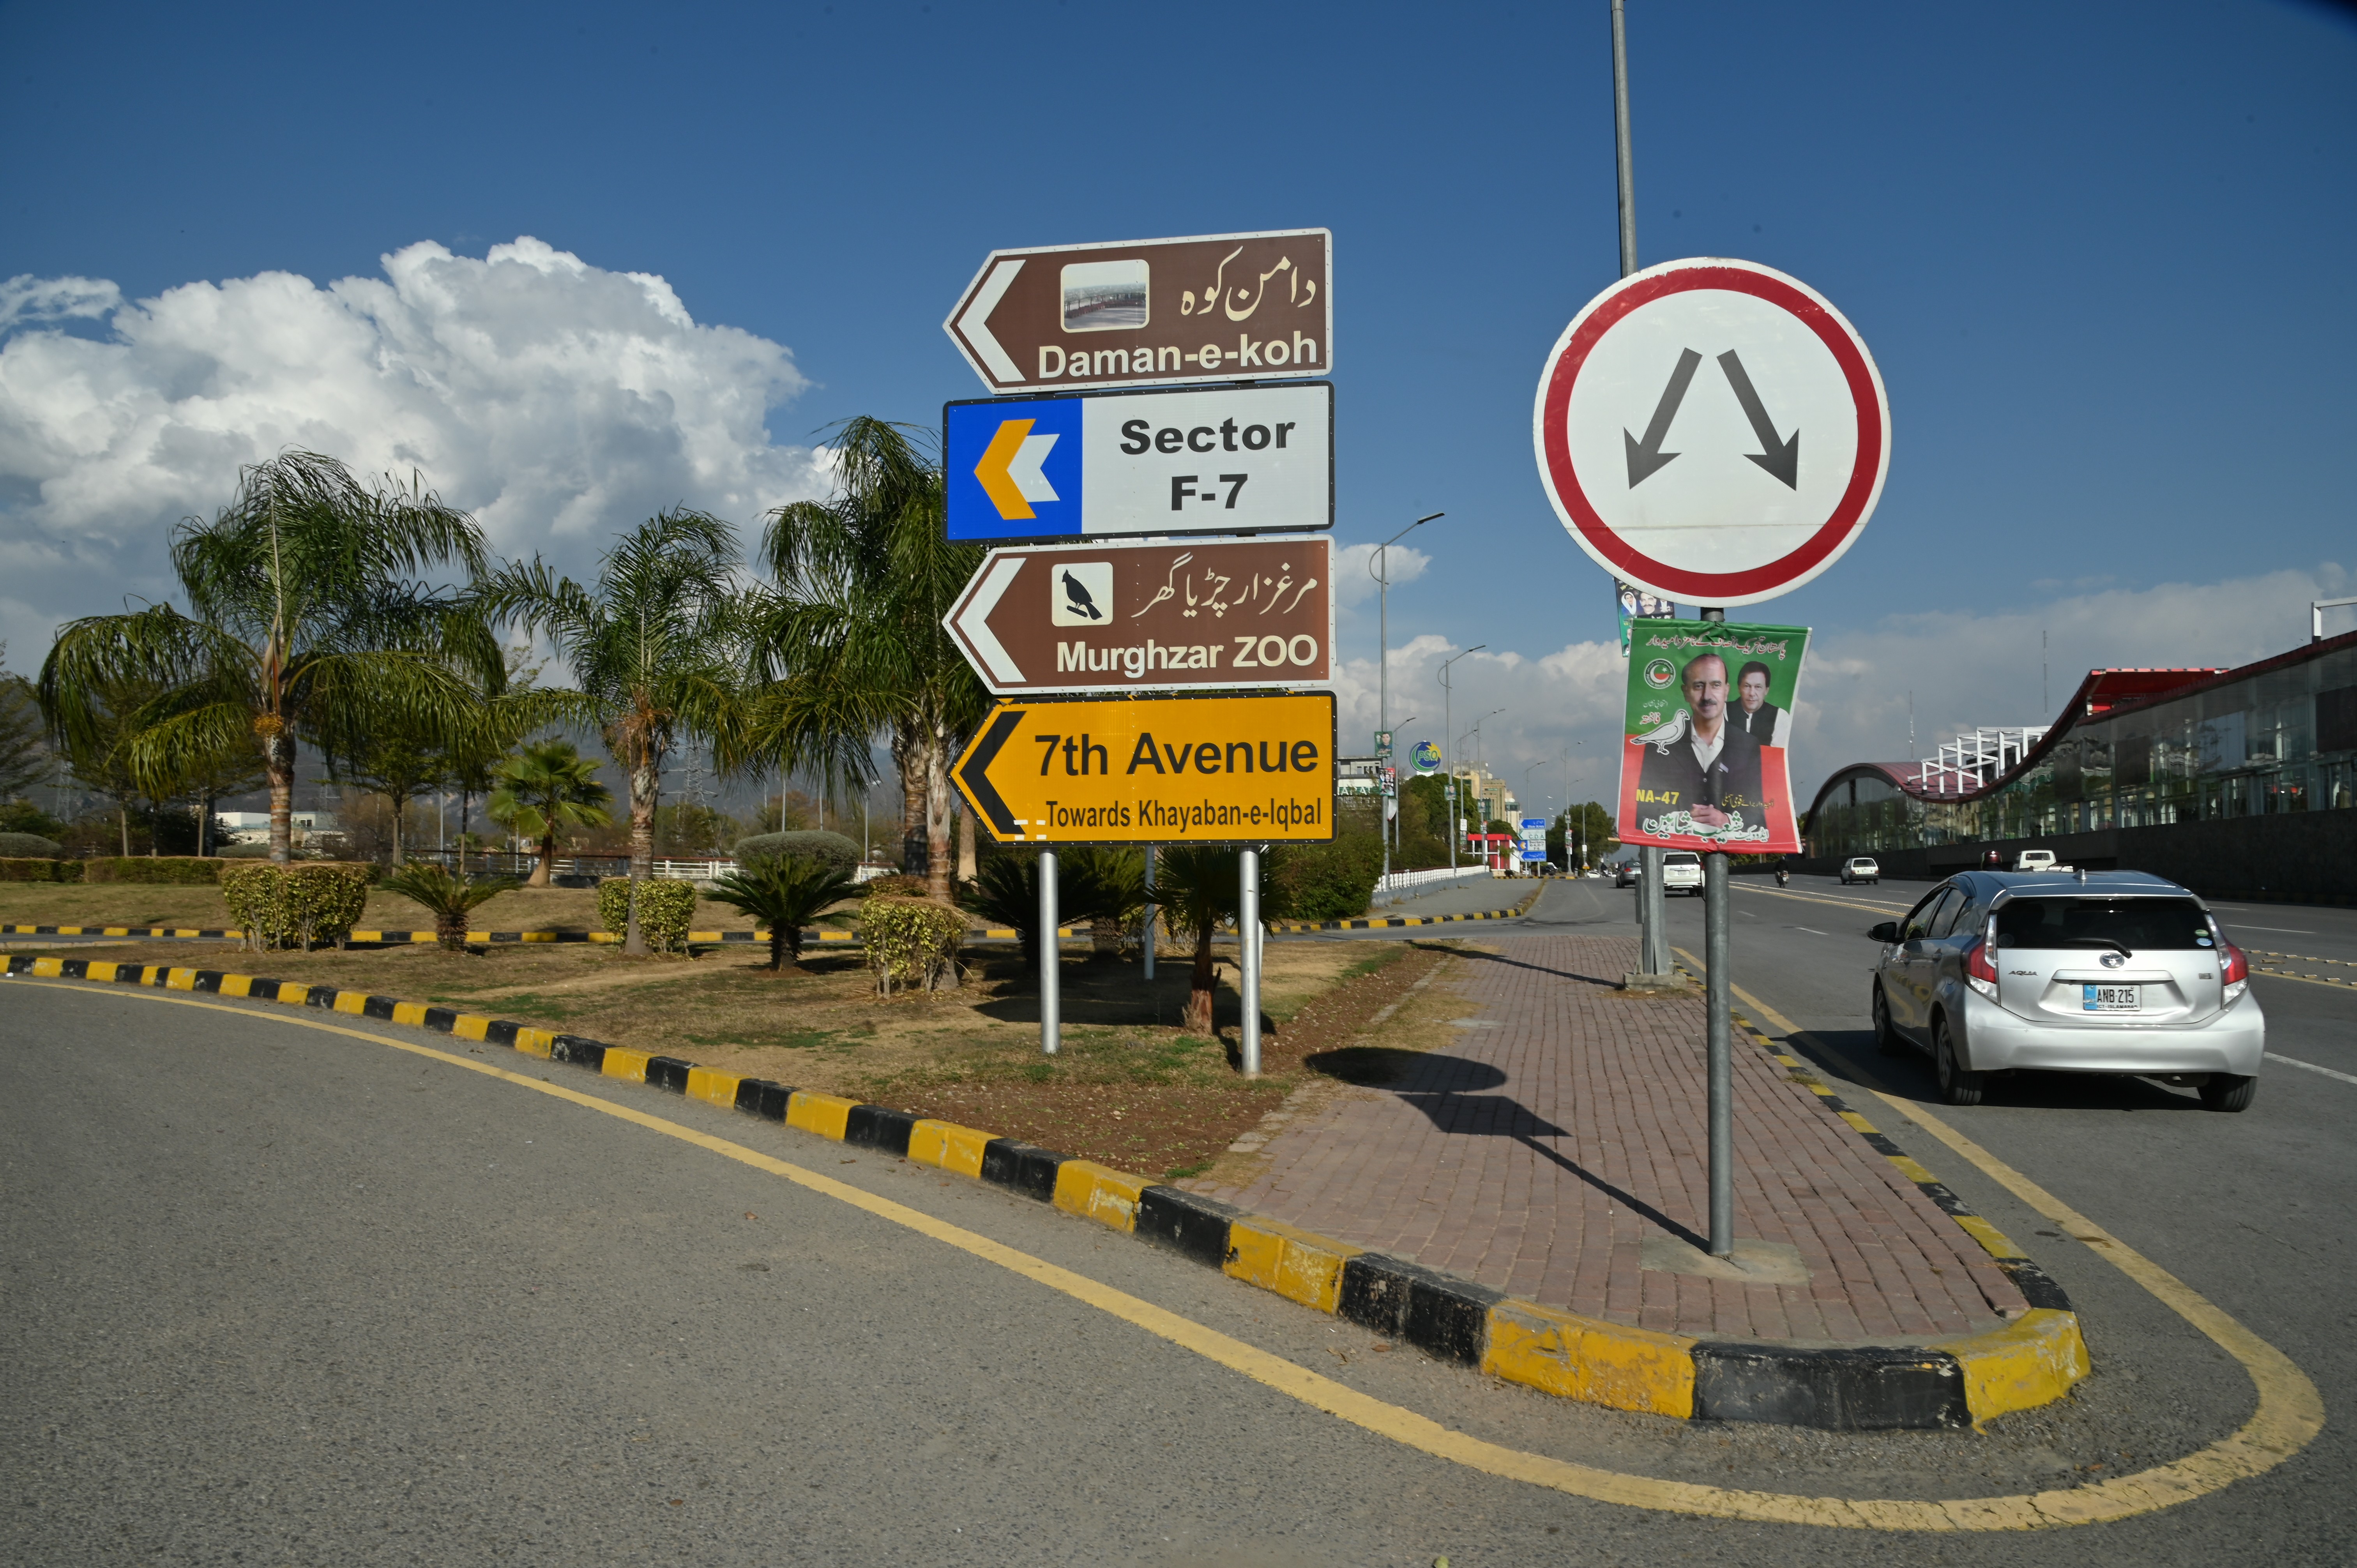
1105, 616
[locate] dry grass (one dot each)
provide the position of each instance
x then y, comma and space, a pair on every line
1128, 1088
145, 904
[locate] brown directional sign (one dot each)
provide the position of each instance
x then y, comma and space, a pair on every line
1216, 307
1241, 769
1107, 617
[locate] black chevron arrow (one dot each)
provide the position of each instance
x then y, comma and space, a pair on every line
975, 774
1646, 457
1782, 458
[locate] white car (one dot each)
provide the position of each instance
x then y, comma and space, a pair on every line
1680, 872
2038, 860
1861, 868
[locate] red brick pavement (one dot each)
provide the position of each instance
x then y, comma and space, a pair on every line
1537, 1155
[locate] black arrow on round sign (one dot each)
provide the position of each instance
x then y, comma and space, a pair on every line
976, 773
1646, 457
1782, 458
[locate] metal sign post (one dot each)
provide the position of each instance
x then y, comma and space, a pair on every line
1248, 965
1051, 998
1722, 1054
1145, 933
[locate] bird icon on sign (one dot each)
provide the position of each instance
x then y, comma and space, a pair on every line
1084, 593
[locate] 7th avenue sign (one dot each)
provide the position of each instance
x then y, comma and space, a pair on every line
1210, 308
1124, 617
1243, 770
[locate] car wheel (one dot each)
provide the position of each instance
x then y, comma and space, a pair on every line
2229, 1092
1885, 1035
1957, 1087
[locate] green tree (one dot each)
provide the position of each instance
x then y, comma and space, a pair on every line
851, 641
653, 645
305, 620
545, 789
25, 762
1199, 890
785, 893
449, 899
401, 767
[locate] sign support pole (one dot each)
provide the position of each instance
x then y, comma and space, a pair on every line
1717, 1002
1146, 935
1248, 942
1051, 999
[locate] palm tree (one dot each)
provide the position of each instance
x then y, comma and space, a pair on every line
449, 899
543, 788
785, 893
852, 641
306, 621
653, 647
1089, 885
1198, 891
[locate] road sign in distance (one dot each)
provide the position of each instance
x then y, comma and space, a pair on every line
1247, 769
1712, 431
1207, 461
1123, 616
1214, 307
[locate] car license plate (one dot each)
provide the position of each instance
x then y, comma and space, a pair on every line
2111, 998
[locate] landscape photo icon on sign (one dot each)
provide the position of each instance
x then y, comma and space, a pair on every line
1080, 593
1105, 297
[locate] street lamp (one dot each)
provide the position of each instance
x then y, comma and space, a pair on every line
1447, 695
1383, 552
1390, 823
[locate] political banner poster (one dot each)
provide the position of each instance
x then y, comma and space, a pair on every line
1638, 605
1703, 763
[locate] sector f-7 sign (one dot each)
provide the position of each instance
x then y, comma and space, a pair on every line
1207, 461
1155, 770
1712, 431
1214, 307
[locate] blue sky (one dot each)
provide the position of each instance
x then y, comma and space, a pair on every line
2102, 254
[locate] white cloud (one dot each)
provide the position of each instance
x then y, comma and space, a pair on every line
1963, 668
558, 402
1354, 583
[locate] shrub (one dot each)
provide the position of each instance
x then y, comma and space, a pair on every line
894, 888
281, 906
30, 847
449, 899
912, 944
784, 893
811, 844
17, 868
1332, 881
665, 910
184, 870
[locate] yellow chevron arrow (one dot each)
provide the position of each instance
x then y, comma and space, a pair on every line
992, 474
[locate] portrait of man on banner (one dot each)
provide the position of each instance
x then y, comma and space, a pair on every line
1703, 766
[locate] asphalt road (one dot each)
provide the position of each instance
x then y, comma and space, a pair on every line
275, 1294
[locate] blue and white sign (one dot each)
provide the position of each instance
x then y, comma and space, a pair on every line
1534, 837
1209, 460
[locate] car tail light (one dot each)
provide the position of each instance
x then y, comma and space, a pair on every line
1979, 972
2236, 974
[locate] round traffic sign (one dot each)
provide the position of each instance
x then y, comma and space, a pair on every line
1712, 431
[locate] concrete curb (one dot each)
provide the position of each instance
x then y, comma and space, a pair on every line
1954, 1383
1387, 922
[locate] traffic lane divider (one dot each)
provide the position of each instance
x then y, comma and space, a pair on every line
1460, 1321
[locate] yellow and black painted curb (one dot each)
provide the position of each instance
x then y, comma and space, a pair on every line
1954, 1383
1381, 923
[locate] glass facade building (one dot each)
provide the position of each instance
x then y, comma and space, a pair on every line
2137, 749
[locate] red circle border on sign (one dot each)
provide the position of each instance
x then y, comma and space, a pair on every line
1710, 587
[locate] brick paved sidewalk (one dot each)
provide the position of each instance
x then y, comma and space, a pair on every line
1537, 1152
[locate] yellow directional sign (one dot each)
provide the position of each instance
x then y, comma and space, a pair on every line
1249, 770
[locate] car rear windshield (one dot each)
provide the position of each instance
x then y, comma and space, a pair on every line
1682, 857
2134, 924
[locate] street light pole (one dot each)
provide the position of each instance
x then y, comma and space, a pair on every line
1383, 648
1449, 762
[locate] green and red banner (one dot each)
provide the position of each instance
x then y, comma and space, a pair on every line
1709, 719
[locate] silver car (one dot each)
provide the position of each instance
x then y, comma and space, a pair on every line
2110, 971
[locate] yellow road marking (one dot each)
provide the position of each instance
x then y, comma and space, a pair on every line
2303, 979
2290, 1413
2271, 1437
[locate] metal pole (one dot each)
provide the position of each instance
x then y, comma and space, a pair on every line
1248, 940
1384, 696
1716, 920
1051, 1000
1654, 934
1625, 155
1722, 1056
1145, 940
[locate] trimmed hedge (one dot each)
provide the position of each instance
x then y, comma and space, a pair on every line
667, 909
307, 903
912, 944
17, 868
815, 843
1332, 881
30, 847
182, 870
